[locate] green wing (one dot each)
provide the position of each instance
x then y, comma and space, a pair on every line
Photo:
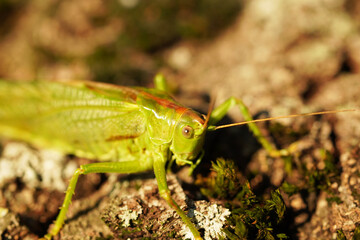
84, 118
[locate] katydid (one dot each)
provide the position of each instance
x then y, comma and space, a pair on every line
128, 130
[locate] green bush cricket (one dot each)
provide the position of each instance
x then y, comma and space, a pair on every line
128, 130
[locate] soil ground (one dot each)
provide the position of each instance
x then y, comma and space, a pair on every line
279, 57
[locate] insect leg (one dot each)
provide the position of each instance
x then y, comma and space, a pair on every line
219, 112
160, 83
160, 174
101, 167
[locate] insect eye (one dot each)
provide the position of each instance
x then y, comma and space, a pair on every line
188, 132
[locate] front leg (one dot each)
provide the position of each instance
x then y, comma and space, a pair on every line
160, 174
220, 112
101, 167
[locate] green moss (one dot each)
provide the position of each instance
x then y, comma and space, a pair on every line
341, 236
225, 185
356, 235
251, 217
321, 179
289, 189
315, 180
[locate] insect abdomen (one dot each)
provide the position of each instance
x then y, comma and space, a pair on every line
73, 119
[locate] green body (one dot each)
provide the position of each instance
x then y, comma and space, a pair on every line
127, 129
91, 120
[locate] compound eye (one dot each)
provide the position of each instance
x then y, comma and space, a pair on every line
188, 132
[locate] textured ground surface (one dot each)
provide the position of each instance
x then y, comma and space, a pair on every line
279, 57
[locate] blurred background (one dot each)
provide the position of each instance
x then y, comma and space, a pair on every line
278, 52
125, 41
278, 56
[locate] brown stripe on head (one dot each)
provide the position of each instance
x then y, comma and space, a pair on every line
165, 102
196, 116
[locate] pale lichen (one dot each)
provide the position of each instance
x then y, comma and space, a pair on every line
127, 214
38, 168
210, 217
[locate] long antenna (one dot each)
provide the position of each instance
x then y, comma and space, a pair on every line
211, 108
288, 116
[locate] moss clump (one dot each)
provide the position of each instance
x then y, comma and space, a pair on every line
251, 217
341, 235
